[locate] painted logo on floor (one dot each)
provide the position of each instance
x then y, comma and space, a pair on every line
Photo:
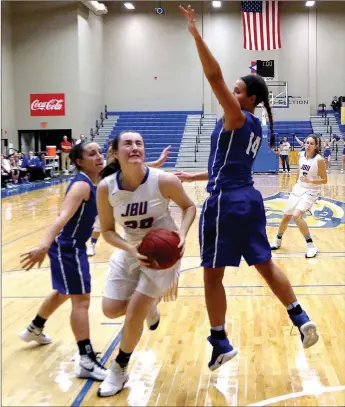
325, 213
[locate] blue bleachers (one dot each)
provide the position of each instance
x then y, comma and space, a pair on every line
290, 129
159, 130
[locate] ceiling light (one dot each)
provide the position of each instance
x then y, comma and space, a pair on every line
310, 3
216, 4
129, 6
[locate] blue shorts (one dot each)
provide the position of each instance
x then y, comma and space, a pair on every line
344, 151
327, 154
70, 269
232, 225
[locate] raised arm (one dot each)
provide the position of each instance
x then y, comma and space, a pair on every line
300, 142
234, 117
191, 176
161, 160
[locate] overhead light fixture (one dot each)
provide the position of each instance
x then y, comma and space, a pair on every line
129, 6
310, 3
216, 4
96, 7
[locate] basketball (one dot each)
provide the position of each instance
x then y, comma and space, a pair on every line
160, 246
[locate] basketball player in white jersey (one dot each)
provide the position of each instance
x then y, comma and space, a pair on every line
312, 174
135, 197
91, 250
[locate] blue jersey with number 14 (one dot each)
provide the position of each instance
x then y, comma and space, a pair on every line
232, 154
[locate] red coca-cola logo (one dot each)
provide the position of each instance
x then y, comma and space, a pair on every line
47, 104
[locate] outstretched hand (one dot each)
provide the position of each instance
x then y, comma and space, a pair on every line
189, 14
164, 155
184, 176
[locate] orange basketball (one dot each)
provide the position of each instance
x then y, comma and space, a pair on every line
160, 246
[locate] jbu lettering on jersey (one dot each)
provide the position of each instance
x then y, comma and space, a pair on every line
305, 169
135, 209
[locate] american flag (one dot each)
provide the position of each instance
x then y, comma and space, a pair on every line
261, 25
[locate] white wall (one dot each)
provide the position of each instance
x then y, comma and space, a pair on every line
90, 62
45, 43
142, 45
330, 51
57, 47
7, 91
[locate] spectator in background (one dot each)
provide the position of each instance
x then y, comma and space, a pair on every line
335, 104
15, 171
41, 166
284, 149
81, 139
29, 161
6, 174
66, 147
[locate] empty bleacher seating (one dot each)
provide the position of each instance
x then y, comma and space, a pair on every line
159, 129
290, 129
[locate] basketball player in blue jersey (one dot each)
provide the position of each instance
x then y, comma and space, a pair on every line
233, 221
136, 198
65, 244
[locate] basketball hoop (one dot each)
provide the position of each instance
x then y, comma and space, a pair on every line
44, 125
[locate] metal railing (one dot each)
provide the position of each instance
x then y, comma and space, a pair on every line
100, 123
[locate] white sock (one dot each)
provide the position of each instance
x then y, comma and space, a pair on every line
218, 328
292, 305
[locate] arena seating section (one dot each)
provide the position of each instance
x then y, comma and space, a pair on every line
159, 130
290, 129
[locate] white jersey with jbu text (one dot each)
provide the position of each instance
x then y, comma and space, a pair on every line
308, 167
141, 210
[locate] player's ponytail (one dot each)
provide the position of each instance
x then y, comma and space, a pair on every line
270, 118
256, 86
77, 153
114, 164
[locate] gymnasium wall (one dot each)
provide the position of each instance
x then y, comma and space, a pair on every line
90, 69
7, 89
142, 46
45, 44
141, 61
145, 45
57, 47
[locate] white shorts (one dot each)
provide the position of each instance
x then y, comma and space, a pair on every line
301, 199
126, 276
97, 225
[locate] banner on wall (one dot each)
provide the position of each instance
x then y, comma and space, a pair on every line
292, 101
47, 104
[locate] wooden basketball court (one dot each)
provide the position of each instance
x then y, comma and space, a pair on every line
169, 367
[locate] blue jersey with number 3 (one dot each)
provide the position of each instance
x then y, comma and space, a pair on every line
232, 154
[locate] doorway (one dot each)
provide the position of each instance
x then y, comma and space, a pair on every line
38, 140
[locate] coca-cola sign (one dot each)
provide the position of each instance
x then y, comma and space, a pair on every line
47, 104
